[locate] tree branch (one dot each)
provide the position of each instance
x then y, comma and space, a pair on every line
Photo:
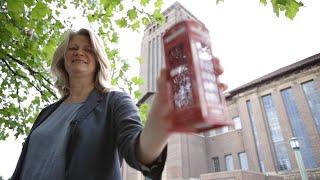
32, 72
20, 75
26, 78
142, 11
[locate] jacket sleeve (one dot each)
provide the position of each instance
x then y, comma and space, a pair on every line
128, 128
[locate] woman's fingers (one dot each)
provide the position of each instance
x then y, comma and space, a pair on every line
223, 86
163, 88
161, 79
218, 69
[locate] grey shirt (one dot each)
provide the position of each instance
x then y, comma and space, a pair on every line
45, 158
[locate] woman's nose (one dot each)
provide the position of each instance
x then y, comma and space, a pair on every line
79, 52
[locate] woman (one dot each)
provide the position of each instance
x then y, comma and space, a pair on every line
87, 133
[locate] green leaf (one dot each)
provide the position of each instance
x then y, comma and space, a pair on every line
91, 17
282, 2
292, 8
137, 94
48, 50
125, 67
145, 21
121, 22
218, 1
135, 26
22, 53
15, 5
158, 16
114, 37
140, 60
158, 3
12, 29
264, 2
132, 14
144, 2
275, 6
137, 80
120, 7
144, 110
114, 81
29, 3
113, 53
40, 10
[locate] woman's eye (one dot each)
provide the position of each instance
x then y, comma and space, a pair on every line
88, 49
72, 48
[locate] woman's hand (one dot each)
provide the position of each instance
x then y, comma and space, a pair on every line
158, 127
162, 106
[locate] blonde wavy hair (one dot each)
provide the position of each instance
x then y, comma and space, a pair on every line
102, 78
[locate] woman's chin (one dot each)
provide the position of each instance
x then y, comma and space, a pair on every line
79, 72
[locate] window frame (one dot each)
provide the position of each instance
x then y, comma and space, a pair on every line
225, 159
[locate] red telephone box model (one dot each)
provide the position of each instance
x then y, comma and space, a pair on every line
198, 103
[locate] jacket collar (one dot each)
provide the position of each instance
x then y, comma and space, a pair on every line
94, 98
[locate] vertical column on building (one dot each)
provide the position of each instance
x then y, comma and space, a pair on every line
161, 52
157, 60
248, 139
158, 55
256, 135
149, 66
154, 63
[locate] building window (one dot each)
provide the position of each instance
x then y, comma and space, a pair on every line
298, 128
283, 162
255, 136
167, 18
225, 129
215, 164
218, 131
229, 162
150, 30
243, 161
213, 132
313, 97
237, 122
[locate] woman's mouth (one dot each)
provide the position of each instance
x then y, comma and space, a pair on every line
79, 61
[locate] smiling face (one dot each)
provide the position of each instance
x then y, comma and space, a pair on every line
80, 59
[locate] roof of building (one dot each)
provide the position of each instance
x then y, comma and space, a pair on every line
308, 62
170, 8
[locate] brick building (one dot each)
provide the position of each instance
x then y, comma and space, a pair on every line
267, 112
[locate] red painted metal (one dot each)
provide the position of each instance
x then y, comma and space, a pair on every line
198, 103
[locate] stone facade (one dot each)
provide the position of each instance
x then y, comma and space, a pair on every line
194, 156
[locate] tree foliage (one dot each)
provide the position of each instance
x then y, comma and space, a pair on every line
289, 7
30, 32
